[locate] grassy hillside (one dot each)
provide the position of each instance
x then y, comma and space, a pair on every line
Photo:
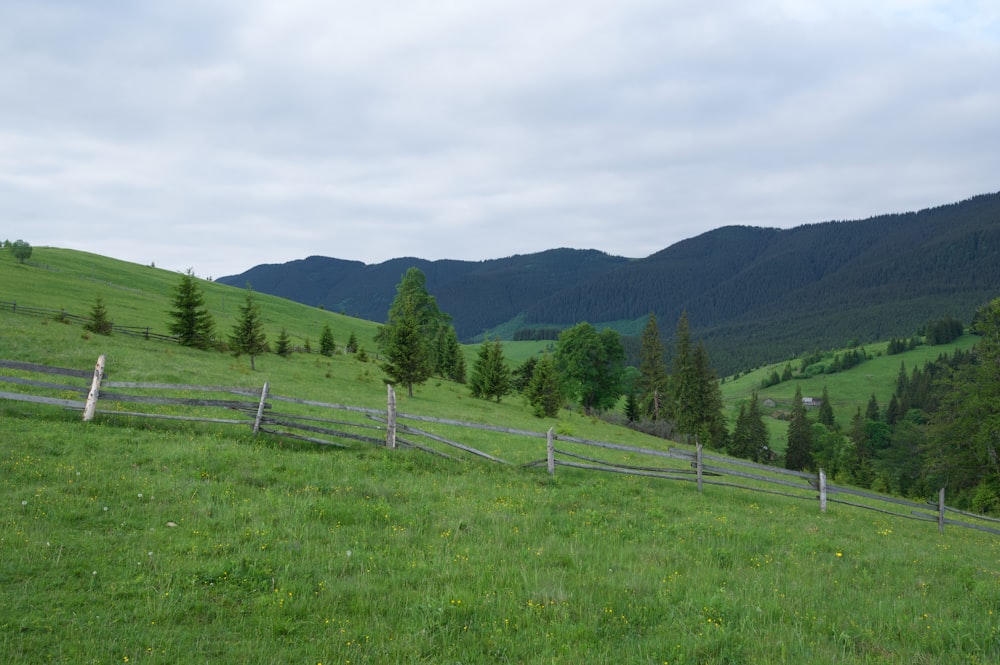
129, 541
848, 390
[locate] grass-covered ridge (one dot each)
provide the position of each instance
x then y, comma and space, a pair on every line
287, 553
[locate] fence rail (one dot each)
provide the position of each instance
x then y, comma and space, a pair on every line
62, 315
385, 427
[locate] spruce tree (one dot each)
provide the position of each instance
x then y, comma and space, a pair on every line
543, 391
352, 343
825, 414
283, 346
653, 379
798, 453
408, 338
248, 333
192, 323
99, 322
750, 437
490, 377
326, 343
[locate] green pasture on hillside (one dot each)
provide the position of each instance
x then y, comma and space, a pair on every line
136, 541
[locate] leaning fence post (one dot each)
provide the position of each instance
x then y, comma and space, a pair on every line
941, 510
697, 448
260, 409
390, 419
551, 451
95, 391
822, 491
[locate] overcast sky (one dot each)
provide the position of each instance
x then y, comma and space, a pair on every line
221, 135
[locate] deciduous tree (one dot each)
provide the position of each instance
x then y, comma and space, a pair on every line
590, 365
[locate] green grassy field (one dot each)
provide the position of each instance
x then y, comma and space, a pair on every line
848, 390
126, 541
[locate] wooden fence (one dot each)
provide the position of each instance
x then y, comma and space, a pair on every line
63, 315
255, 408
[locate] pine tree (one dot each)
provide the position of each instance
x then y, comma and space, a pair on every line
523, 373
248, 333
409, 358
798, 453
697, 398
326, 343
653, 379
99, 323
490, 378
192, 323
450, 363
684, 378
352, 343
825, 414
543, 391
283, 346
408, 338
750, 437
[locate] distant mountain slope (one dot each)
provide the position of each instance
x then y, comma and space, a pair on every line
753, 294
478, 294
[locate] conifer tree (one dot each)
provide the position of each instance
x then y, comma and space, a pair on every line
825, 414
99, 322
450, 363
283, 346
798, 453
697, 398
653, 379
411, 330
543, 391
326, 343
248, 333
192, 323
352, 343
750, 439
490, 377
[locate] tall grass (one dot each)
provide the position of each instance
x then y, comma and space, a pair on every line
126, 541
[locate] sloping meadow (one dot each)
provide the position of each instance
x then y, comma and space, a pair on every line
126, 540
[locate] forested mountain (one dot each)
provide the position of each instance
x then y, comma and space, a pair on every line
753, 294
478, 294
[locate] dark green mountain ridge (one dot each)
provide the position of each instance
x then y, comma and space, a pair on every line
753, 294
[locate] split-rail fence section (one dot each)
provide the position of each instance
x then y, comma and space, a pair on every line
255, 408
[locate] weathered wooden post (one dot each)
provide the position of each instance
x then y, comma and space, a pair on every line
941, 510
822, 491
390, 419
260, 409
697, 448
551, 451
95, 390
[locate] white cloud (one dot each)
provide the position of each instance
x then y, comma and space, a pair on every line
223, 135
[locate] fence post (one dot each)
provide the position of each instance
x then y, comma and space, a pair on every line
551, 451
260, 409
941, 510
390, 419
95, 390
697, 448
822, 491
